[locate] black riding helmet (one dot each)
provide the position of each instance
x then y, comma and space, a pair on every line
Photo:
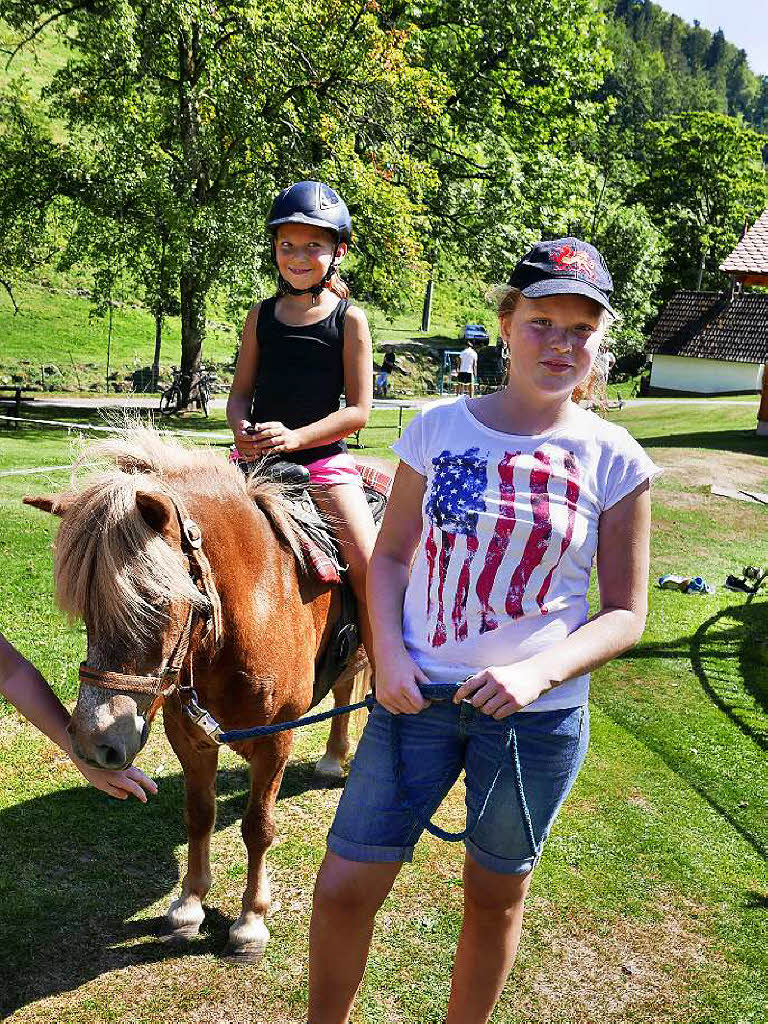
310, 202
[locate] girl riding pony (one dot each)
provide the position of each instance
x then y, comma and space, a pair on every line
300, 350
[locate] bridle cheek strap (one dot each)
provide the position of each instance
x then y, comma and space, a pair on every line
160, 686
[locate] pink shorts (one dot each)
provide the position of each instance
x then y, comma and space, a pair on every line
336, 469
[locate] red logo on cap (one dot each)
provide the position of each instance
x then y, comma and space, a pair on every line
569, 259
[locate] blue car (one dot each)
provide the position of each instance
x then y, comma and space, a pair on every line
475, 333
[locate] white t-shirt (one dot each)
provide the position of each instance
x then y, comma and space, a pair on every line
509, 534
467, 360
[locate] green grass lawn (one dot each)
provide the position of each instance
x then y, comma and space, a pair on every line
648, 906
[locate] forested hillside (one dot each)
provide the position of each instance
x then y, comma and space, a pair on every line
664, 66
141, 142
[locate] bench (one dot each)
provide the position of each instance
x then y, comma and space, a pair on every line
13, 402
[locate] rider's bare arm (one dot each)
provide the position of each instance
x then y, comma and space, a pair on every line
241, 392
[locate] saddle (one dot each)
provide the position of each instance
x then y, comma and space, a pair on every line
321, 557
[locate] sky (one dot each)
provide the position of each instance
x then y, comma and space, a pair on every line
744, 22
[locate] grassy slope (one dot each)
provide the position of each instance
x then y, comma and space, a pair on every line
649, 904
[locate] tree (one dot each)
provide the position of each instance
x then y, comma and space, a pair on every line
185, 117
704, 178
29, 169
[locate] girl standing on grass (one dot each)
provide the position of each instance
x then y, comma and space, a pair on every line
25, 688
300, 350
480, 574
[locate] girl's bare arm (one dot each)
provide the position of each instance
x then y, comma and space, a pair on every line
396, 672
241, 392
25, 688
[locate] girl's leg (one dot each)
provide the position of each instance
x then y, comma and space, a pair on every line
345, 508
490, 934
347, 897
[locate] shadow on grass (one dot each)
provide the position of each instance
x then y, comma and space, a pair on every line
744, 442
76, 868
729, 655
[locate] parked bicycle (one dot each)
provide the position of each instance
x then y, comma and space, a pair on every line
171, 400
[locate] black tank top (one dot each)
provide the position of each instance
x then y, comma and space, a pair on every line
301, 374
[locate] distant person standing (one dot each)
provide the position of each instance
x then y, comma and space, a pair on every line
388, 366
465, 382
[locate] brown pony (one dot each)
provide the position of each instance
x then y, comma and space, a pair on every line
176, 561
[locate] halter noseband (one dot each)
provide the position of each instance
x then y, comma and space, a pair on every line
161, 685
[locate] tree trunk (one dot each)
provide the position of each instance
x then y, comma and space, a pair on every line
426, 312
158, 342
192, 285
193, 294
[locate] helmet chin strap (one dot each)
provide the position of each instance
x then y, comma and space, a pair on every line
315, 291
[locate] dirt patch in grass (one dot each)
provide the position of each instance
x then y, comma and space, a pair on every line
694, 467
617, 971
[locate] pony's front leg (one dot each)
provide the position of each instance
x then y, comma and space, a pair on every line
199, 761
249, 935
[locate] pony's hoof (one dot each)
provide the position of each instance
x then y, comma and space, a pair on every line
243, 956
329, 768
180, 936
184, 916
248, 938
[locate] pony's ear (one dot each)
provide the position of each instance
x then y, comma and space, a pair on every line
56, 504
159, 512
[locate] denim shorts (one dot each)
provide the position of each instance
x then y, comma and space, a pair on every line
395, 785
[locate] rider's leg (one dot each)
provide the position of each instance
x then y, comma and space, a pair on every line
490, 934
346, 510
347, 897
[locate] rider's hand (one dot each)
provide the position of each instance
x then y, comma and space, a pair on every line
397, 676
244, 442
130, 781
273, 436
501, 690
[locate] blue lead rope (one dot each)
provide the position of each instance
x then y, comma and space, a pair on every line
432, 692
508, 749
234, 735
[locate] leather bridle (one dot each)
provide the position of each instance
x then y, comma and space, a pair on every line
159, 686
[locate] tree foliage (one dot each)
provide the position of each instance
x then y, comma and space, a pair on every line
459, 131
704, 180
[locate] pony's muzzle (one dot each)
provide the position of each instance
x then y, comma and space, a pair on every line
105, 739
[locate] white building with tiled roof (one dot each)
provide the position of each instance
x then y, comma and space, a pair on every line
748, 262
716, 342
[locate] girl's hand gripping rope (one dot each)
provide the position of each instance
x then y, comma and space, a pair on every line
397, 679
501, 690
273, 437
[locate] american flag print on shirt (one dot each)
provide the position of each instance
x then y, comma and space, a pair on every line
509, 563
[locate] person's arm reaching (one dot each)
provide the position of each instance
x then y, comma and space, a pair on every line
25, 688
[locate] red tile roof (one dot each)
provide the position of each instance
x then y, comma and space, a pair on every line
711, 325
751, 254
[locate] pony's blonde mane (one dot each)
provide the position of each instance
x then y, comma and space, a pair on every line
110, 567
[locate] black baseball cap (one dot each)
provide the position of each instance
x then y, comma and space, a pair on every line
565, 266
